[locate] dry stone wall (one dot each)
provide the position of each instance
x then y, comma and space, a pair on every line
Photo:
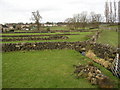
35, 38
53, 31
103, 51
34, 35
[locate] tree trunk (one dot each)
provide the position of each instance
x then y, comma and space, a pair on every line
38, 26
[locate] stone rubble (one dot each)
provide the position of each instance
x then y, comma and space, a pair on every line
93, 75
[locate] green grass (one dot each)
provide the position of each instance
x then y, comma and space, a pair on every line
108, 37
114, 26
29, 33
72, 38
59, 28
44, 69
24, 37
45, 28
41, 33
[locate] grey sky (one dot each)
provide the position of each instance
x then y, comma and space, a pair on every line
51, 10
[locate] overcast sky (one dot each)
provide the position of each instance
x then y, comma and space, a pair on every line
12, 11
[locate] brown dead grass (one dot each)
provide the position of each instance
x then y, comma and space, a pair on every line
102, 62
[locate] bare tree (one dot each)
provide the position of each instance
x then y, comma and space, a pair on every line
92, 17
111, 13
119, 12
107, 11
83, 19
70, 23
95, 19
37, 18
115, 13
99, 18
78, 20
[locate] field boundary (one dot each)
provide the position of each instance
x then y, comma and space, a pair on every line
35, 38
51, 31
34, 35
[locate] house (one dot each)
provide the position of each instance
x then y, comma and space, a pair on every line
49, 24
46, 25
10, 26
26, 28
5, 28
22, 26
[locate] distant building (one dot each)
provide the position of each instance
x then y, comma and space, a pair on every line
21, 26
5, 28
49, 24
10, 26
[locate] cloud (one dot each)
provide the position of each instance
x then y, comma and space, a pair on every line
50, 10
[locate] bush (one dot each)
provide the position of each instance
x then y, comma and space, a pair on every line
48, 28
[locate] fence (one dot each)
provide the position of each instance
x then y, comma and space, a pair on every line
115, 68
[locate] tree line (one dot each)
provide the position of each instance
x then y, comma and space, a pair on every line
110, 11
83, 19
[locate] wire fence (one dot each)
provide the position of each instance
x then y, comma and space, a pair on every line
115, 68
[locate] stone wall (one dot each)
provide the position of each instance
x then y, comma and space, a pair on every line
54, 37
94, 37
35, 35
106, 53
53, 31
102, 51
40, 46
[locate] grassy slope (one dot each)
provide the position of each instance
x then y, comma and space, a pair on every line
44, 69
109, 37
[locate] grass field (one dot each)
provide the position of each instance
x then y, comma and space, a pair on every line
83, 36
63, 28
30, 33
45, 69
42, 33
51, 68
46, 27
109, 37
59, 28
